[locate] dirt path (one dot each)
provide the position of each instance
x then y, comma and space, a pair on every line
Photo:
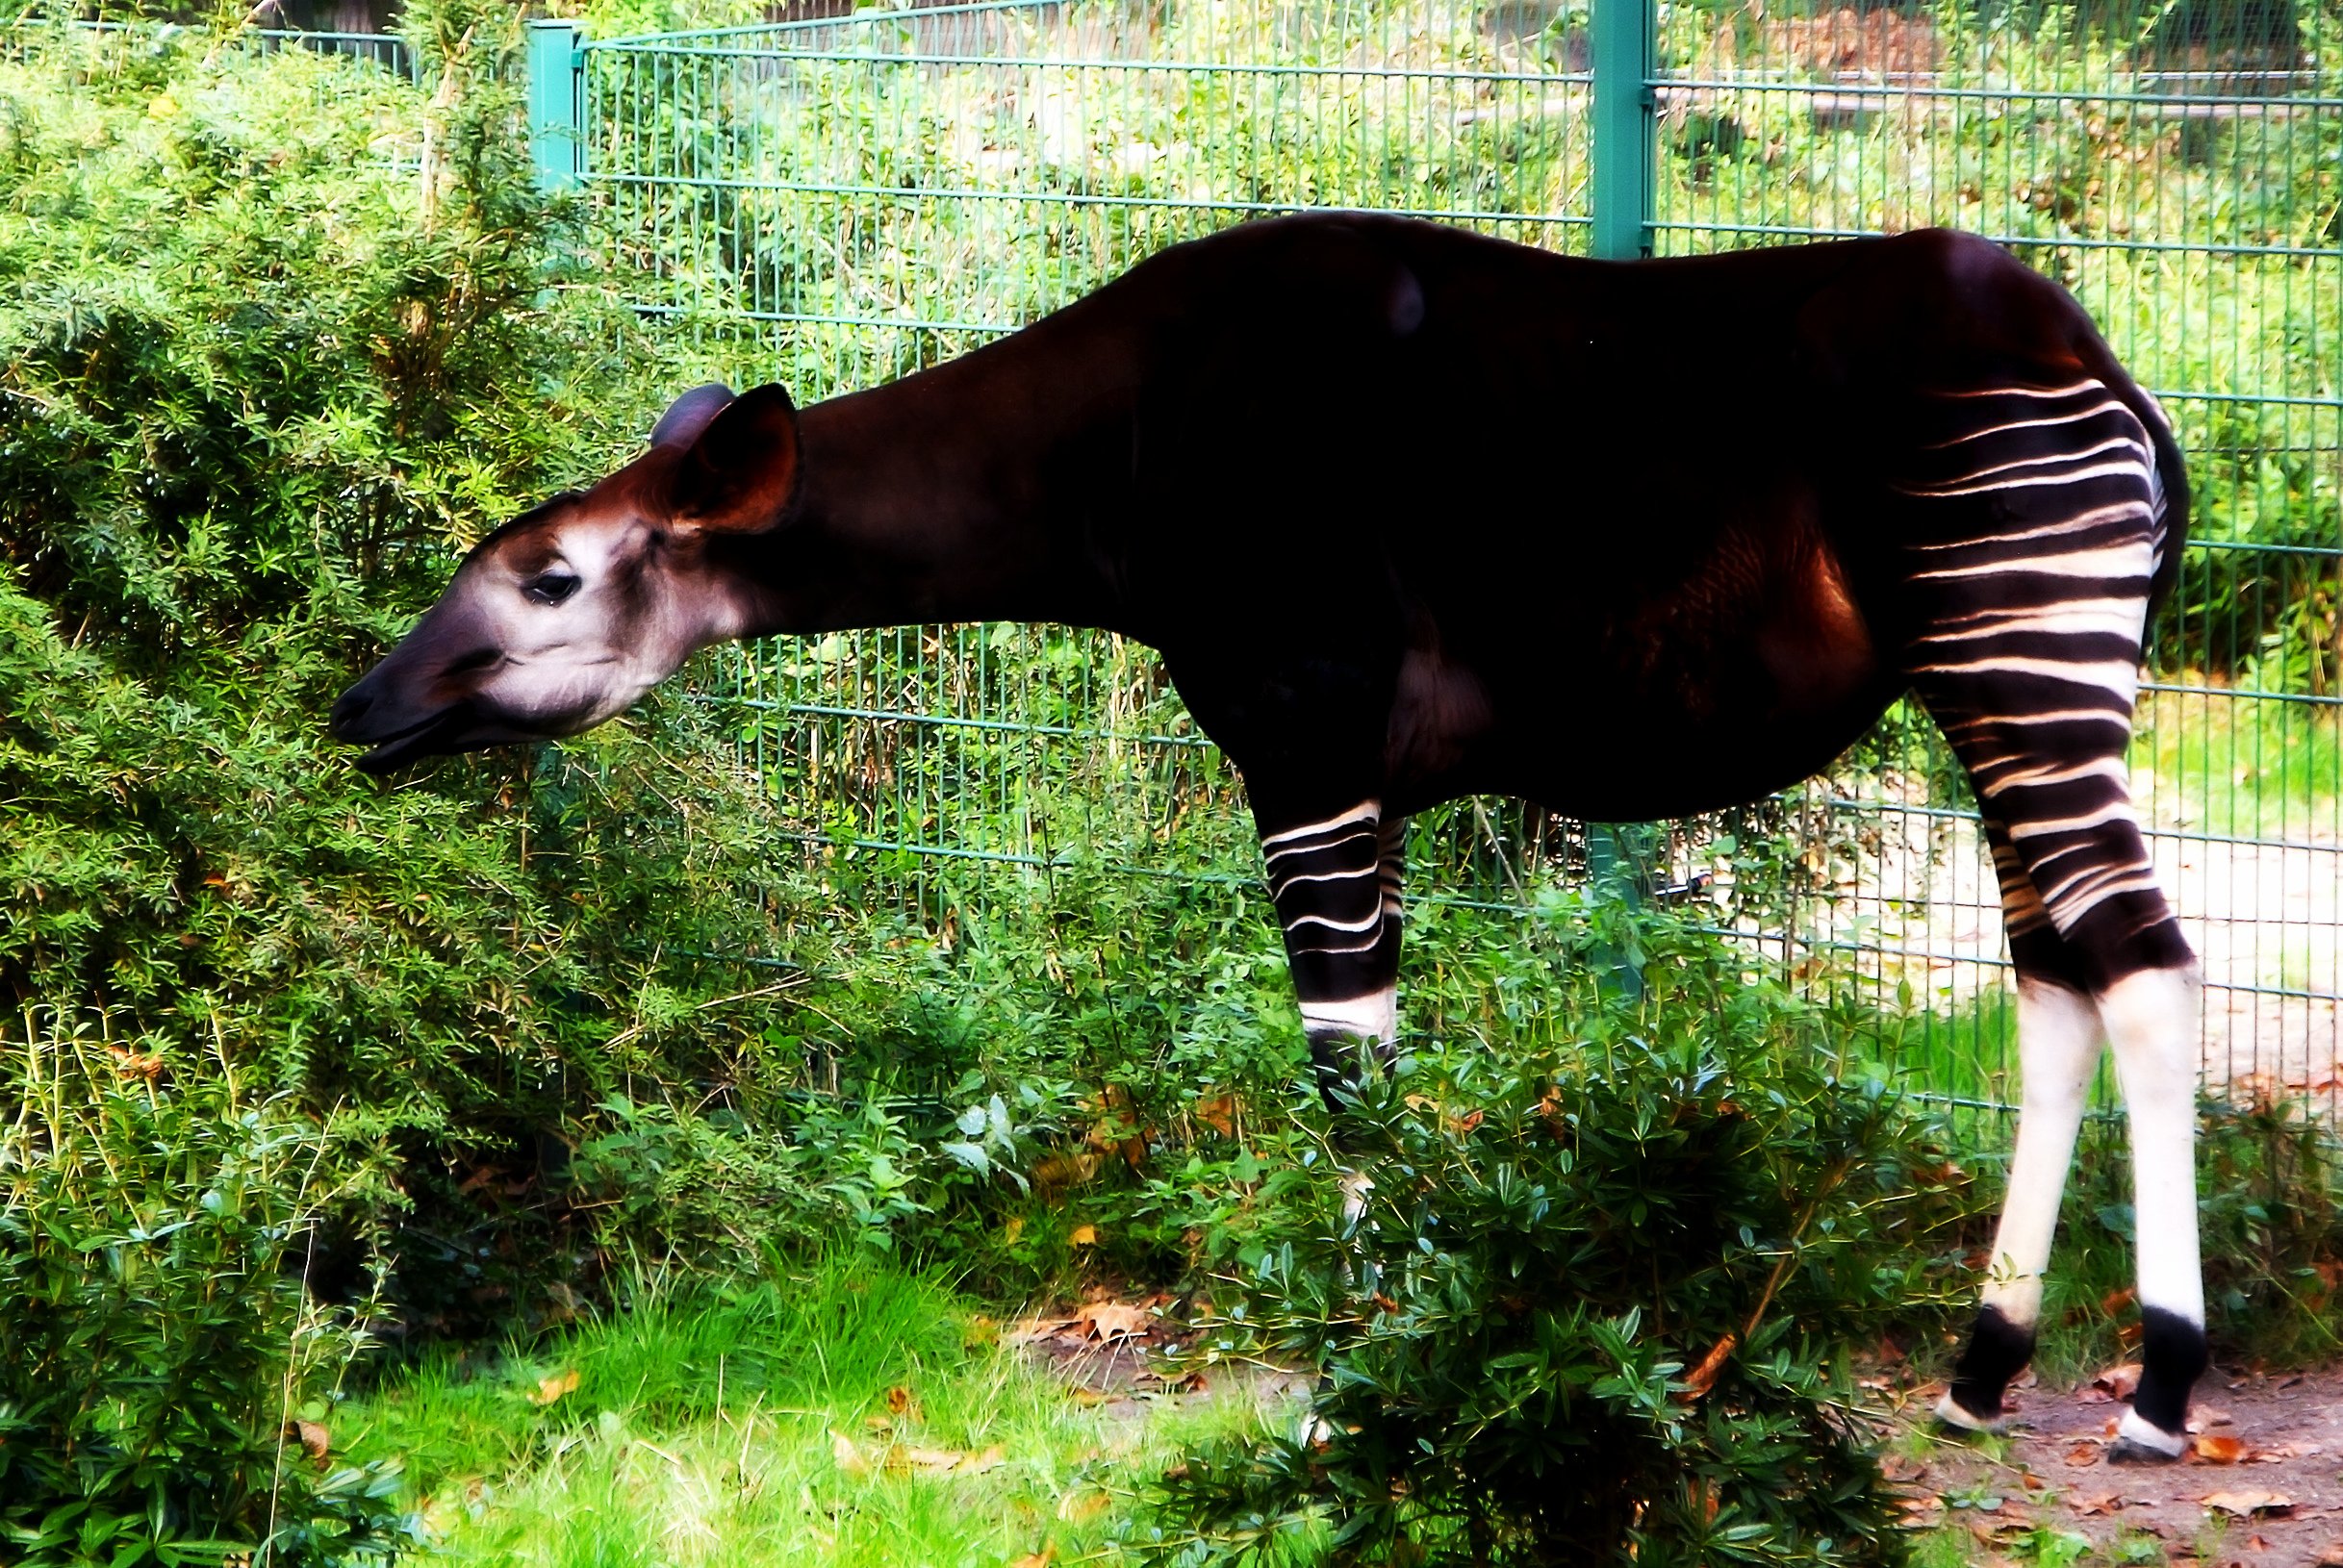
2263, 1488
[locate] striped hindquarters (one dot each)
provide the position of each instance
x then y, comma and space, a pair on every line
2038, 522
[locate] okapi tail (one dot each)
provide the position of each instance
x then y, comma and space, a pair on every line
2168, 479
2172, 503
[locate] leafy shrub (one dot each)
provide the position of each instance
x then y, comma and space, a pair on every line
713, 1187
1592, 1309
167, 1381
234, 459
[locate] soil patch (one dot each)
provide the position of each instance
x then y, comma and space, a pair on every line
2263, 1486
1120, 1356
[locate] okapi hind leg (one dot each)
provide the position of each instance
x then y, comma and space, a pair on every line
2151, 1018
2034, 530
2059, 1038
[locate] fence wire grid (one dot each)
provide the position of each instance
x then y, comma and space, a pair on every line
841, 200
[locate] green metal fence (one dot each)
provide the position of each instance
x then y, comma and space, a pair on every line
838, 201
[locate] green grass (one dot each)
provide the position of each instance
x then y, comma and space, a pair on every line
753, 1424
2214, 762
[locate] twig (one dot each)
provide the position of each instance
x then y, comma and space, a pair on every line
1702, 1377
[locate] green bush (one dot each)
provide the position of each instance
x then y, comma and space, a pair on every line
235, 457
1594, 1309
167, 1383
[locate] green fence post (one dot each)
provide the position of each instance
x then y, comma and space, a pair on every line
1618, 874
1624, 46
557, 83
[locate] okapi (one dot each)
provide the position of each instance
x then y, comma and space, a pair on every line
1412, 514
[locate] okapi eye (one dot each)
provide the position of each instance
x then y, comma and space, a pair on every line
550, 587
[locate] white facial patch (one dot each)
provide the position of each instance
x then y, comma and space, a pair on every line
569, 666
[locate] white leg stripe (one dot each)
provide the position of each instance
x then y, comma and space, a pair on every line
2110, 674
1280, 883
2044, 481
1273, 856
2109, 444
2088, 384
1374, 1016
2110, 406
2142, 1431
1352, 926
2133, 558
2081, 523
1367, 812
2049, 773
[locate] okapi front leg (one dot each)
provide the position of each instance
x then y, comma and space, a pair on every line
1335, 883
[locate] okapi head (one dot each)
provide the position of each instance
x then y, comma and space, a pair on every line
563, 616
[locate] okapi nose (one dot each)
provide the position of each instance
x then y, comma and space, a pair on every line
349, 708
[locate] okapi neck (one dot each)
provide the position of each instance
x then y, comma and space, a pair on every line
908, 510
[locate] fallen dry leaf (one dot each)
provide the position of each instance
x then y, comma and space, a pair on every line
1895, 1467
2331, 1557
2119, 1381
2098, 1504
900, 1401
1076, 1506
1114, 1320
1219, 1113
2219, 1449
1034, 1329
2082, 1454
1037, 1559
130, 1064
316, 1440
846, 1456
549, 1389
1083, 1235
2247, 1505
911, 1456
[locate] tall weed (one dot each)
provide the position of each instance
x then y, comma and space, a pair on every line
168, 1387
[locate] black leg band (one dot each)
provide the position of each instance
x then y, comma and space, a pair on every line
1997, 1352
2172, 1357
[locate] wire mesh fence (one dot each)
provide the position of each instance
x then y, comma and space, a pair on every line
836, 201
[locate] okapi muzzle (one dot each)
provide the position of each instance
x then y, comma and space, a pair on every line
562, 618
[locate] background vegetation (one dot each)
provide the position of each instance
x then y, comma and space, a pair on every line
309, 1077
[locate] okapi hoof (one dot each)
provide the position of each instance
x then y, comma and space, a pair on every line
1953, 1413
2141, 1441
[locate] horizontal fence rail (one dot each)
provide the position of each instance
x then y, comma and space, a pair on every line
838, 201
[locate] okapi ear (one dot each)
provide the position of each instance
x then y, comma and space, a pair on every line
739, 475
689, 415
